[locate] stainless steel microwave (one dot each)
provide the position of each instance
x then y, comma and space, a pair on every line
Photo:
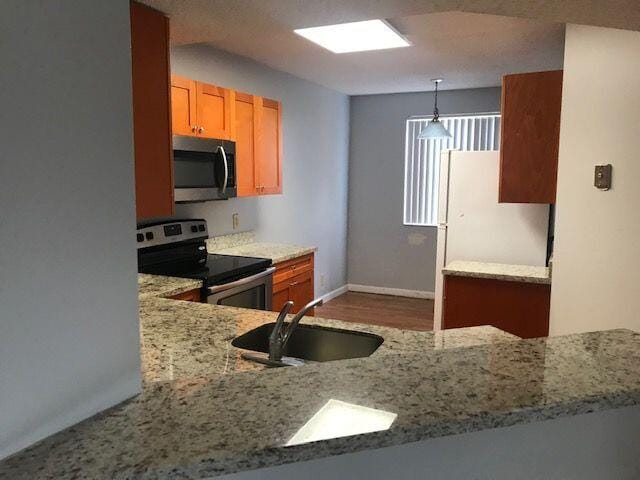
203, 169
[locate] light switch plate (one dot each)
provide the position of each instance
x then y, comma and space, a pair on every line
602, 177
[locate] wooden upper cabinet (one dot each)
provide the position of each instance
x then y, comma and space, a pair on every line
214, 106
254, 123
200, 109
530, 137
269, 145
244, 133
151, 112
183, 105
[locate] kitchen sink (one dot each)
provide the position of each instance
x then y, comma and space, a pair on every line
313, 343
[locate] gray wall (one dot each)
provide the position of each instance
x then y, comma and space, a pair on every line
313, 207
382, 251
69, 342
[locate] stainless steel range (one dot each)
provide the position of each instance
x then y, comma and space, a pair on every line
177, 248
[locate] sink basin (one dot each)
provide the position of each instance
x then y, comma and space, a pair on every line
313, 343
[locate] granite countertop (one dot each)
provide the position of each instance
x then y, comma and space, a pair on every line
245, 245
207, 424
185, 340
150, 286
499, 271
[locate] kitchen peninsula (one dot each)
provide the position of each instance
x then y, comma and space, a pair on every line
204, 412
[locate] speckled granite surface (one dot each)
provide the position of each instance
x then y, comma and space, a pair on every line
277, 252
229, 241
499, 271
208, 426
150, 286
184, 340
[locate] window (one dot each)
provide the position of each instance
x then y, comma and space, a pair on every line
422, 159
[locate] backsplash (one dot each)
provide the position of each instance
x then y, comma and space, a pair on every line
232, 240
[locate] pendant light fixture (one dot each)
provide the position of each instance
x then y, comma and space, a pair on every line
434, 128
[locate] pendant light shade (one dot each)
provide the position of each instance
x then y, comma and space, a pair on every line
434, 128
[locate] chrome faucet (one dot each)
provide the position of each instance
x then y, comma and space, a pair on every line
281, 334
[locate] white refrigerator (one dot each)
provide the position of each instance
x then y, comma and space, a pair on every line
473, 226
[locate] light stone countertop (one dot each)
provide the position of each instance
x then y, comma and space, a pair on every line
205, 425
499, 271
187, 340
245, 245
150, 286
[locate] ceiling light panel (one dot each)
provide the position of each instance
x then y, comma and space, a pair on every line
355, 36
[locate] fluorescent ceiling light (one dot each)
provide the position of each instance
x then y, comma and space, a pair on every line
355, 36
341, 419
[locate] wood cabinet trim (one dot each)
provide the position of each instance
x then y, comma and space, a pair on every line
190, 296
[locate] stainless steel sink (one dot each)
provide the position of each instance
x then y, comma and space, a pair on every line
313, 343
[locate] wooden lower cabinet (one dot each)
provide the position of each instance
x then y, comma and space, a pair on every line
190, 296
515, 307
293, 280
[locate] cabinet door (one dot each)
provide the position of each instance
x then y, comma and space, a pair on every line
280, 296
183, 106
244, 135
530, 137
151, 112
515, 307
214, 105
301, 291
269, 141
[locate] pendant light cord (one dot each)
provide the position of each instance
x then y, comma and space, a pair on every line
436, 112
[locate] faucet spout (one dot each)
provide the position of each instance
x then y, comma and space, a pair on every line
277, 335
281, 334
296, 319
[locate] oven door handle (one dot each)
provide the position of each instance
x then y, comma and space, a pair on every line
242, 281
226, 169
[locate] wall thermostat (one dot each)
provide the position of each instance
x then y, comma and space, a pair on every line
602, 177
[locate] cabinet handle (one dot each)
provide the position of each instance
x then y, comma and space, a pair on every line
194, 129
294, 284
201, 130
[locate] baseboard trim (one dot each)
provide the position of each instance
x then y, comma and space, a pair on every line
397, 292
335, 293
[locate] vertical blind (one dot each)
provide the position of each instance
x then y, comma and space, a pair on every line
422, 159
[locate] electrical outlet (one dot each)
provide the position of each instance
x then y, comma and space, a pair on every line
234, 221
322, 281
602, 177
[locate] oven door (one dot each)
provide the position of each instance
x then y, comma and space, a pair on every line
253, 292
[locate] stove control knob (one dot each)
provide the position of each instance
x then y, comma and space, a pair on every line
140, 237
149, 235
194, 228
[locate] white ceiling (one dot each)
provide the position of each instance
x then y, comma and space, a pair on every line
468, 50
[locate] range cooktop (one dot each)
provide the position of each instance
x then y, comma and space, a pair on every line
216, 270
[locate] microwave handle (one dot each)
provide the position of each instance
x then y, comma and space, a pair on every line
226, 169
